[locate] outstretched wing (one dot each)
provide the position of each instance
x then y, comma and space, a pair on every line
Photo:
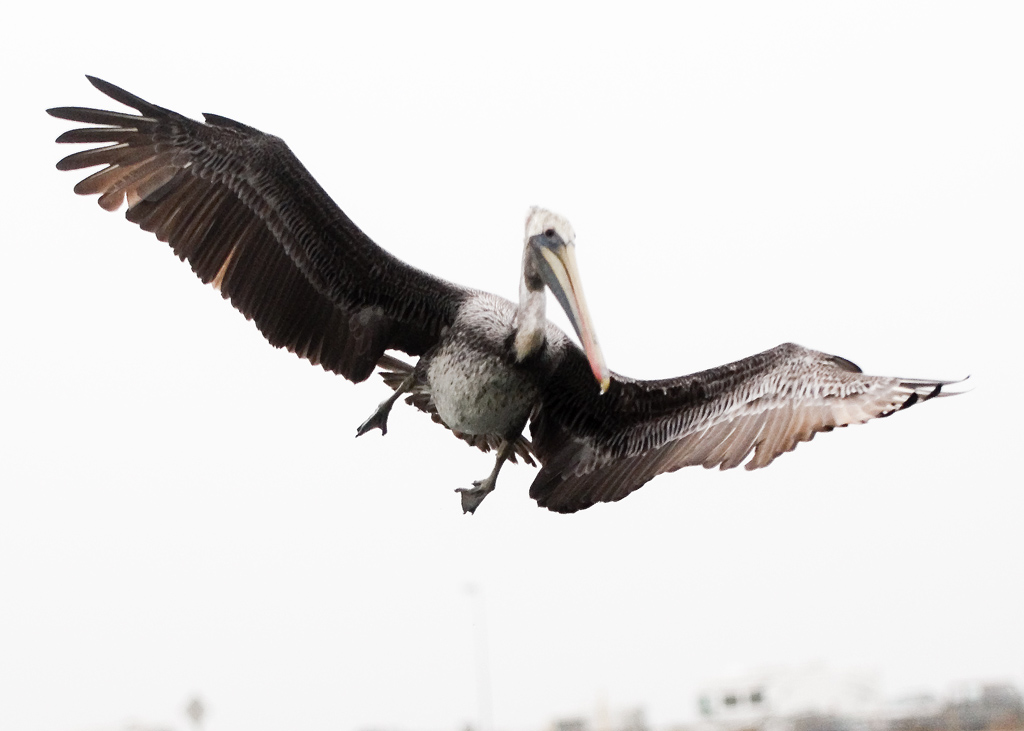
249, 218
601, 448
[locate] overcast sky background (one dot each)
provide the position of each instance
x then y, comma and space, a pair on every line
184, 510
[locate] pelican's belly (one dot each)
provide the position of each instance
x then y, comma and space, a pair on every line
478, 392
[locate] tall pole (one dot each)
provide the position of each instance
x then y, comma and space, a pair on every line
483, 676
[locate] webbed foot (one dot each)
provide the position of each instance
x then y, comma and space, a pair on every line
473, 496
378, 420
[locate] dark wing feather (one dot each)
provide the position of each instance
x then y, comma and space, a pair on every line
601, 448
247, 216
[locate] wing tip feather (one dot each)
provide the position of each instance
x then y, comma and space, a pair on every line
120, 95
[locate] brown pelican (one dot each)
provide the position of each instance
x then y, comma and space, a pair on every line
250, 220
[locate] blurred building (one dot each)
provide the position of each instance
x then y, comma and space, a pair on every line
632, 719
996, 707
817, 699
807, 699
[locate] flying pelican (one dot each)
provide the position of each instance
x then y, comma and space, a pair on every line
250, 220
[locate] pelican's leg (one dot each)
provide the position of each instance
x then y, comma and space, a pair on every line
473, 496
379, 418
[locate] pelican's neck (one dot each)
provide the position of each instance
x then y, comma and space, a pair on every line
530, 321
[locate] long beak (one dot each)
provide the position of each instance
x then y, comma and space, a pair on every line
563, 279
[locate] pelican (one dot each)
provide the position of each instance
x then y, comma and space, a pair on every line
250, 220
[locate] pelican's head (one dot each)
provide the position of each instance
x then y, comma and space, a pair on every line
549, 258
539, 220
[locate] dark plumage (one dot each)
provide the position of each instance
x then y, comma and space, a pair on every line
240, 208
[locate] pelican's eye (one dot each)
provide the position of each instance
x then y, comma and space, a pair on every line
550, 233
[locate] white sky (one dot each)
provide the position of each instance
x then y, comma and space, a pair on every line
183, 509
